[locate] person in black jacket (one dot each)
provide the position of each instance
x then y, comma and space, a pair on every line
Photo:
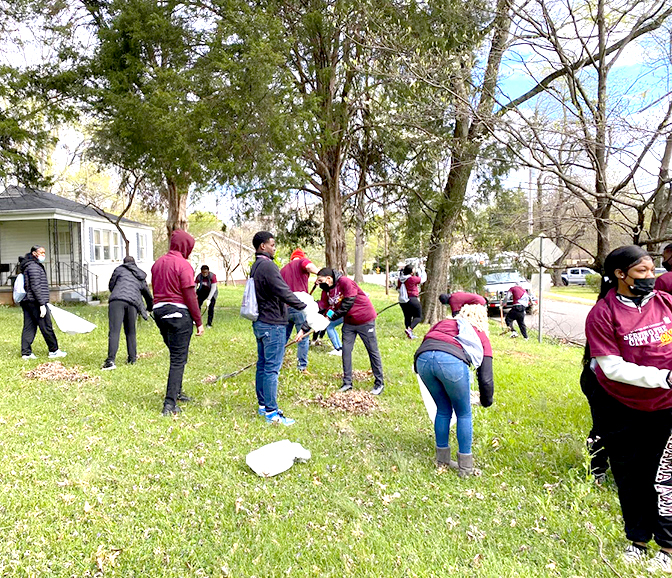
270, 328
34, 305
128, 287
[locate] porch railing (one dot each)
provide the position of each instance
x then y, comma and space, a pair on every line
76, 277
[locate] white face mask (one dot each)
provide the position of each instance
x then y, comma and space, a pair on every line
42, 258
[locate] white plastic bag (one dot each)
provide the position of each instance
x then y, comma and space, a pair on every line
249, 308
316, 321
69, 322
273, 459
430, 406
19, 290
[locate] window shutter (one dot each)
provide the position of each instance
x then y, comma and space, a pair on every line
91, 253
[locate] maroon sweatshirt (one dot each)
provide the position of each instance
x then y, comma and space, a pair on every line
173, 276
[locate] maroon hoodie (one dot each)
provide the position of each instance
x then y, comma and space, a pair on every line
173, 276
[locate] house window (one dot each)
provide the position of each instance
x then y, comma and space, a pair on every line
97, 245
106, 245
142, 247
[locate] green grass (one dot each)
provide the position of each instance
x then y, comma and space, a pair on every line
89, 471
582, 291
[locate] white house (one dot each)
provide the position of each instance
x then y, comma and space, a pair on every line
83, 247
227, 258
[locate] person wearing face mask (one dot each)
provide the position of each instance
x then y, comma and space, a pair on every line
664, 282
629, 347
34, 305
343, 298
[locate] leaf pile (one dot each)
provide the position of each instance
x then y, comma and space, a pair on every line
209, 379
357, 375
353, 401
56, 371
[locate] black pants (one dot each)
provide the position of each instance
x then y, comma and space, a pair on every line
367, 333
517, 313
31, 321
211, 308
639, 445
176, 327
412, 312
121, 312
599, 460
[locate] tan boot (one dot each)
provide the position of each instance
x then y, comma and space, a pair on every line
465, 465
443, 458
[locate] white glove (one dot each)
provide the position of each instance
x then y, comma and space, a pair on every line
43, 310
206, 303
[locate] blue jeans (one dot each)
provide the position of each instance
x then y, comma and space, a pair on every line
271, 340
297, 319
333, 334
447, 379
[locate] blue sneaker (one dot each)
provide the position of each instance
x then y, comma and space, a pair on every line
277, 417
261, 410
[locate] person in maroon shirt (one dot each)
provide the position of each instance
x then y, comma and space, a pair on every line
408, 299
442, 361
296, 274
207, 292
629, 345
342, 297
521, 300
175, 312
664, 282
459, 299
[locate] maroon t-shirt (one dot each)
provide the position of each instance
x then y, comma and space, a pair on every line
517, 292
458, 299
448, 329
664, 282
362, 310
639, 335
412, 285
296, 275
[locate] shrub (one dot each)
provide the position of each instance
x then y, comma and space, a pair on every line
593, 281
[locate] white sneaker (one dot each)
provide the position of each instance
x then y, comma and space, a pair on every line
31, 356
633, 554
57, 353
513, 334
337, 352
661, 562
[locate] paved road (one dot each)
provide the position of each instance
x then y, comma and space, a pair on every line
562, 320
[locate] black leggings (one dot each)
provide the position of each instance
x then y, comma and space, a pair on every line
412, 312
517, 313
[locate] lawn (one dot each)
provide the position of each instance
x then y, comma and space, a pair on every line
95, 482
582, 291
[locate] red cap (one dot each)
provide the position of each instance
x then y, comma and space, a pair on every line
297, 254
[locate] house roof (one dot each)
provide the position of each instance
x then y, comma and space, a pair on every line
25, 199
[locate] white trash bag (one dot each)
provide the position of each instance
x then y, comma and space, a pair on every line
316, 321
428, 400
69, 322
273, 459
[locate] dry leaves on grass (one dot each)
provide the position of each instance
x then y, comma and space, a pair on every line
209, 379
354, 402
56, 371
357, 375
146, 354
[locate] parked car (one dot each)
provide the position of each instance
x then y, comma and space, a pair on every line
497, 285
576, 275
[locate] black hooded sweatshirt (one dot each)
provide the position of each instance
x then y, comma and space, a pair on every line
129, 283
34, 280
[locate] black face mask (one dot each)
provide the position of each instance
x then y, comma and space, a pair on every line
667, 266
325, 287
642, 286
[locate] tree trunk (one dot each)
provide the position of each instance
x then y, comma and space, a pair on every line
360, 239
602, 214
177, 207
335, 249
